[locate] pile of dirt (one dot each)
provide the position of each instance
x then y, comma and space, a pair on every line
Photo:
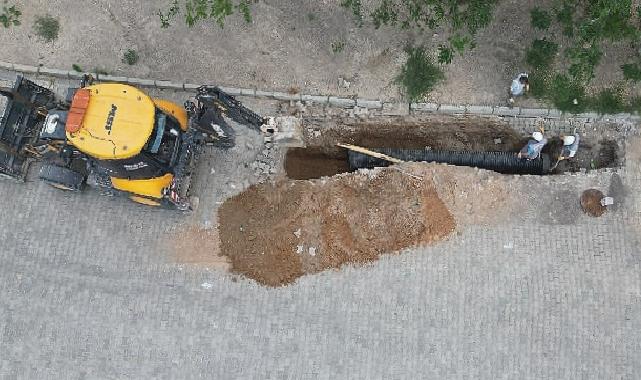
277, 232
591, 202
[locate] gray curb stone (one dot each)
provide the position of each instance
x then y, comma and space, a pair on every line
168, 84
111, 78
554, 113
424, 107
388, 108
396, 109
142, 82
233, 91
369, 104
54, 72
25, 68
247, 92
341, 102
264, 94
320, 99
190, 87
451, 109
286, 97
480, 110
507, 111
534, 112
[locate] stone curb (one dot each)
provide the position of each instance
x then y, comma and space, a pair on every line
388, 108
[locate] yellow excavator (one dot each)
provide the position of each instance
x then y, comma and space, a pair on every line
115, 137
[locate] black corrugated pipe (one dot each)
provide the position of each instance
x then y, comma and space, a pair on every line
502, 162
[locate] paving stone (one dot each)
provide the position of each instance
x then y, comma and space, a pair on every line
6, 65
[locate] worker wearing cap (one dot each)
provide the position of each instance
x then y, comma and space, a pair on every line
520, 85
534, 146
570, 147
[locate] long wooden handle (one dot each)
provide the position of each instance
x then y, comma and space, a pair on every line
368, 152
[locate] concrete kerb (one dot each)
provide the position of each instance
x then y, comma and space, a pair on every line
393, 107
27, 69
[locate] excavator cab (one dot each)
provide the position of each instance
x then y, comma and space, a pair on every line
116, 138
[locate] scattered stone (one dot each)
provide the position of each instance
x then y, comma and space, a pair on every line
297, 233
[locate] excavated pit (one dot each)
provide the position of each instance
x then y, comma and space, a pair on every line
322, 158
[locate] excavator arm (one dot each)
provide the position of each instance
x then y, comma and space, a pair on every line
213, 109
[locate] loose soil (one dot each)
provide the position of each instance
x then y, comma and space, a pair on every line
275, 233
591, 202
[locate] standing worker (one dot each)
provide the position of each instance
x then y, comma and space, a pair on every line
534, 146
520, 85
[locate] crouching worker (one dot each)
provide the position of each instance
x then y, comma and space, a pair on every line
534, 146
570, 147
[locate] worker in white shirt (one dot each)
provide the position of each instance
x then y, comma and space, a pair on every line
534, 146
520, 85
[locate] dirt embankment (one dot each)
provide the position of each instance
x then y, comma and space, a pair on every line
275, 233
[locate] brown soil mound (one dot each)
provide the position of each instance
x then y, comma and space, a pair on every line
591, 202
275, 233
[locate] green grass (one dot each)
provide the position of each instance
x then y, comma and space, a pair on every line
47, 27
419, 75
609, 100
130, 57
338, 46
445, 55
541, 54
565, 17
540, 19
567, 94
632, 71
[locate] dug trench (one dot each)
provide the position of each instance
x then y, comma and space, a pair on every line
320, 217
322, 157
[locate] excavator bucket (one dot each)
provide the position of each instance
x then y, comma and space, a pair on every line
211, 113
20, 126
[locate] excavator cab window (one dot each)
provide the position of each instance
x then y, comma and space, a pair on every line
163, 144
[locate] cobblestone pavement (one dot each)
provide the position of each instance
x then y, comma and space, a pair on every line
88, 289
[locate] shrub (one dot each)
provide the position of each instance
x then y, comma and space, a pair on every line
584, 60
540, 18
419, 75
76, 68
564, 16
130, 57
632, 71
541, 54
47, 27
10, 16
